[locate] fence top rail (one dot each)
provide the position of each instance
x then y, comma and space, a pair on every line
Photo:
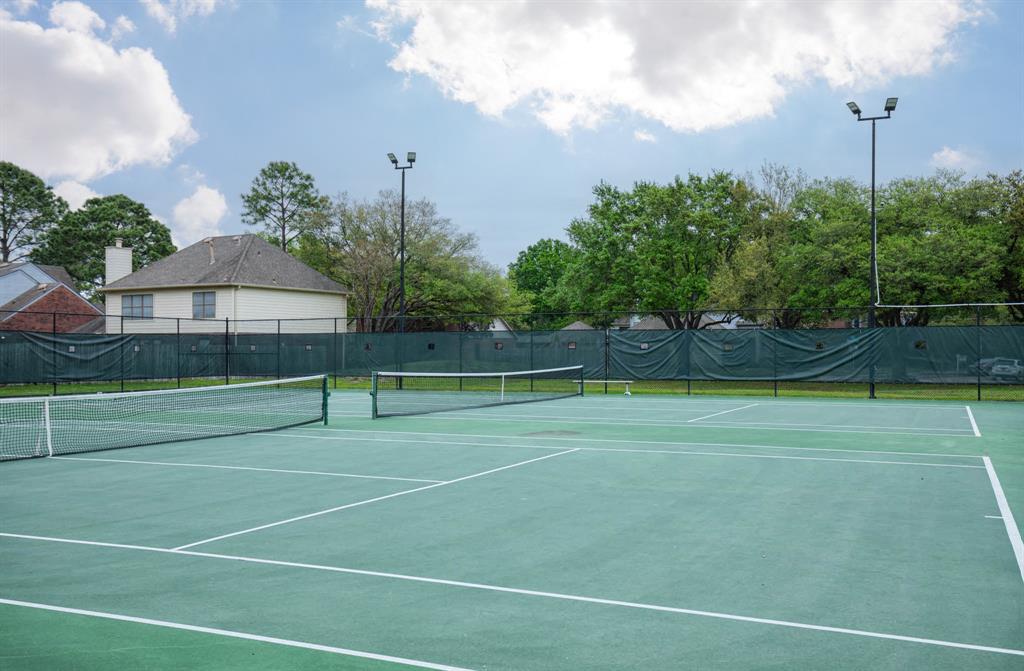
158, 392
507, 373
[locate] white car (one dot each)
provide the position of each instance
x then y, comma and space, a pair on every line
1006, 368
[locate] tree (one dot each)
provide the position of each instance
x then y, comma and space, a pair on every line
28, 209
538, 273
78, 241
357, 244
285, 201
654, 249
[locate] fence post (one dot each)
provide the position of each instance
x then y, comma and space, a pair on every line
775, 358
120, 350
227, 353
53, 352
334, 353
607, 355
977, 329
177, 349
531, 356
461, 331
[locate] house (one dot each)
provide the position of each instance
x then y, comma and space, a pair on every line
37, 297
234, 278
578, 326
708, 320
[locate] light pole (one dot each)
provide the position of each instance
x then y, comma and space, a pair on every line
890, 105
410, 159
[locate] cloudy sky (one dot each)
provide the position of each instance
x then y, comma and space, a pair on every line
516, 109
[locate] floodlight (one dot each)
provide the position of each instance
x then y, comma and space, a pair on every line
391, 157
890, 104
411, 157
853, 107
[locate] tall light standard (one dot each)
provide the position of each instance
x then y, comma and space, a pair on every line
890, 105
410, 159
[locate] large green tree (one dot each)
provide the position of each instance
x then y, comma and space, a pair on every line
78, 241
537, 272
653, 249
28, 209
358, 244
283, 200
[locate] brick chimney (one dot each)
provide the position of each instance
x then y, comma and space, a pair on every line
119, 261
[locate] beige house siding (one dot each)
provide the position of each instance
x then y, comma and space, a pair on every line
317, 310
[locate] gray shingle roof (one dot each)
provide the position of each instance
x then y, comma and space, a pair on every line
231, 260
56, 272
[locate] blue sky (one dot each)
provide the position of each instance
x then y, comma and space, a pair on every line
515, 111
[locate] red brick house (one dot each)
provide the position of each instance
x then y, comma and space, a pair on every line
36, 297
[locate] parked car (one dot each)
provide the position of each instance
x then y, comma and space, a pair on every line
1007, 368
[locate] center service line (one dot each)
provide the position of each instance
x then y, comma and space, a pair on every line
697, 419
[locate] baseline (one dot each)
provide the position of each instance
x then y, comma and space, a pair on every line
244, 468
373, 500
543, 594
613, 440
234, 634
461, 416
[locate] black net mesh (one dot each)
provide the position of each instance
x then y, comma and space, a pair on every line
34, 427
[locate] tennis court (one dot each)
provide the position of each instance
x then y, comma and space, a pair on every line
593, 532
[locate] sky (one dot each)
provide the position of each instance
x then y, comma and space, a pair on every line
516, 109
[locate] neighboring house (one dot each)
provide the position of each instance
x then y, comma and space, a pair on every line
715, 321
235, 278
32, 293
578, 326
499, 324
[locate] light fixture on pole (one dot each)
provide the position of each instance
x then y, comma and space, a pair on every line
410, 159
890, 105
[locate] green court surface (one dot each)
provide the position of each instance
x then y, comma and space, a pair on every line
597, 532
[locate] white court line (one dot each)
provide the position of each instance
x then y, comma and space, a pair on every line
682, 452
765, 399
652, 423
1004, 509
841, 426
603, 440
243, 468
537, 593
373, 500
697, 419
994, 517
974, 425
235, 634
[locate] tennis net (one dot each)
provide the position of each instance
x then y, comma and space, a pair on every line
55, 425
415, 393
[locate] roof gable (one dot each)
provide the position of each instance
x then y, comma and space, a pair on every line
231, 260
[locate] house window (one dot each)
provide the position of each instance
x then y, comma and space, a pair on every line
204, 304
137, 306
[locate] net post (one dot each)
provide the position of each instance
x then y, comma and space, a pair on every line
775, 358
278, 359
502, 396
373, 395
607, 347
582, 385
49, 428
334, 353
325, 395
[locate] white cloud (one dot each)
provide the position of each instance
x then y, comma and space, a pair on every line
956, 159
198, 216
168, 12
689, 66
75, 193
76, 16
85, 109
641, 135
122, 26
